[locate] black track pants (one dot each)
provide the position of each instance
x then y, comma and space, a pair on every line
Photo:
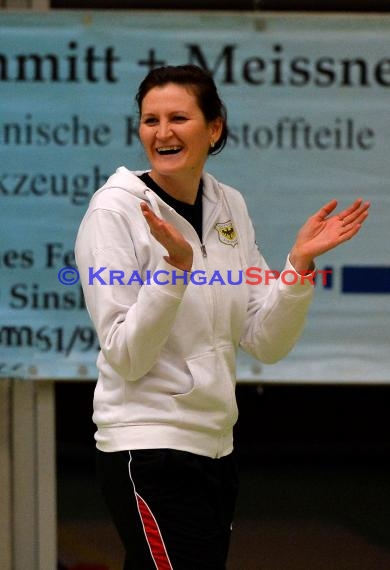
173, 510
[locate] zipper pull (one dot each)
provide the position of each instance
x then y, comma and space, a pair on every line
203, 250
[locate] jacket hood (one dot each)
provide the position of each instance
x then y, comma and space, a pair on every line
130, 182
127, 180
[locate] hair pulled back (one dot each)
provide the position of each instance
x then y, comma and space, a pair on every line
201, 83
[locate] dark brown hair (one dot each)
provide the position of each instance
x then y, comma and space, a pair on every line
203, 86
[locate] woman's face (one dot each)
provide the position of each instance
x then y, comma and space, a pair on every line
174, 132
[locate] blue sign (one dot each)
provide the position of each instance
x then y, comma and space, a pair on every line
309, 122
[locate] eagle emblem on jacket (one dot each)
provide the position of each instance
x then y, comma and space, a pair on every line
227, 233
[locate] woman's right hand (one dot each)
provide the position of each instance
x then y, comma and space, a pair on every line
180, 252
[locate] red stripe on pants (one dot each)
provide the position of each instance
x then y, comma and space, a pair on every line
153, 536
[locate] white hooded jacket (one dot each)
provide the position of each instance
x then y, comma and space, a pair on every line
168, 346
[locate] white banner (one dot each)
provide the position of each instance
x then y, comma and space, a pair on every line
308, 102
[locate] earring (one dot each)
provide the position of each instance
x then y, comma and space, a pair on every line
212, 144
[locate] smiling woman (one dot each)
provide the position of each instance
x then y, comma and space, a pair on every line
164, 403
176, 138
181, 123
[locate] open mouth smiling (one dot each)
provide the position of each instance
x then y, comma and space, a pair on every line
167, 150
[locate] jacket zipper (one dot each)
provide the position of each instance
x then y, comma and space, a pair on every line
212, 295
203, 250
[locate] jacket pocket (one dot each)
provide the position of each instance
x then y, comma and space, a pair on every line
211, 397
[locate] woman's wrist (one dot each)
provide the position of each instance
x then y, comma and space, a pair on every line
182, 265
301, 263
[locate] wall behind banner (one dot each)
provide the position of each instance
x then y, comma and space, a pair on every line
308, 111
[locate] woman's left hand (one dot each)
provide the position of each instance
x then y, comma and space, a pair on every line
323, 232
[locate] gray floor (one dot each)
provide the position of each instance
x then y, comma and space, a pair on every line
301, 517
321, 502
